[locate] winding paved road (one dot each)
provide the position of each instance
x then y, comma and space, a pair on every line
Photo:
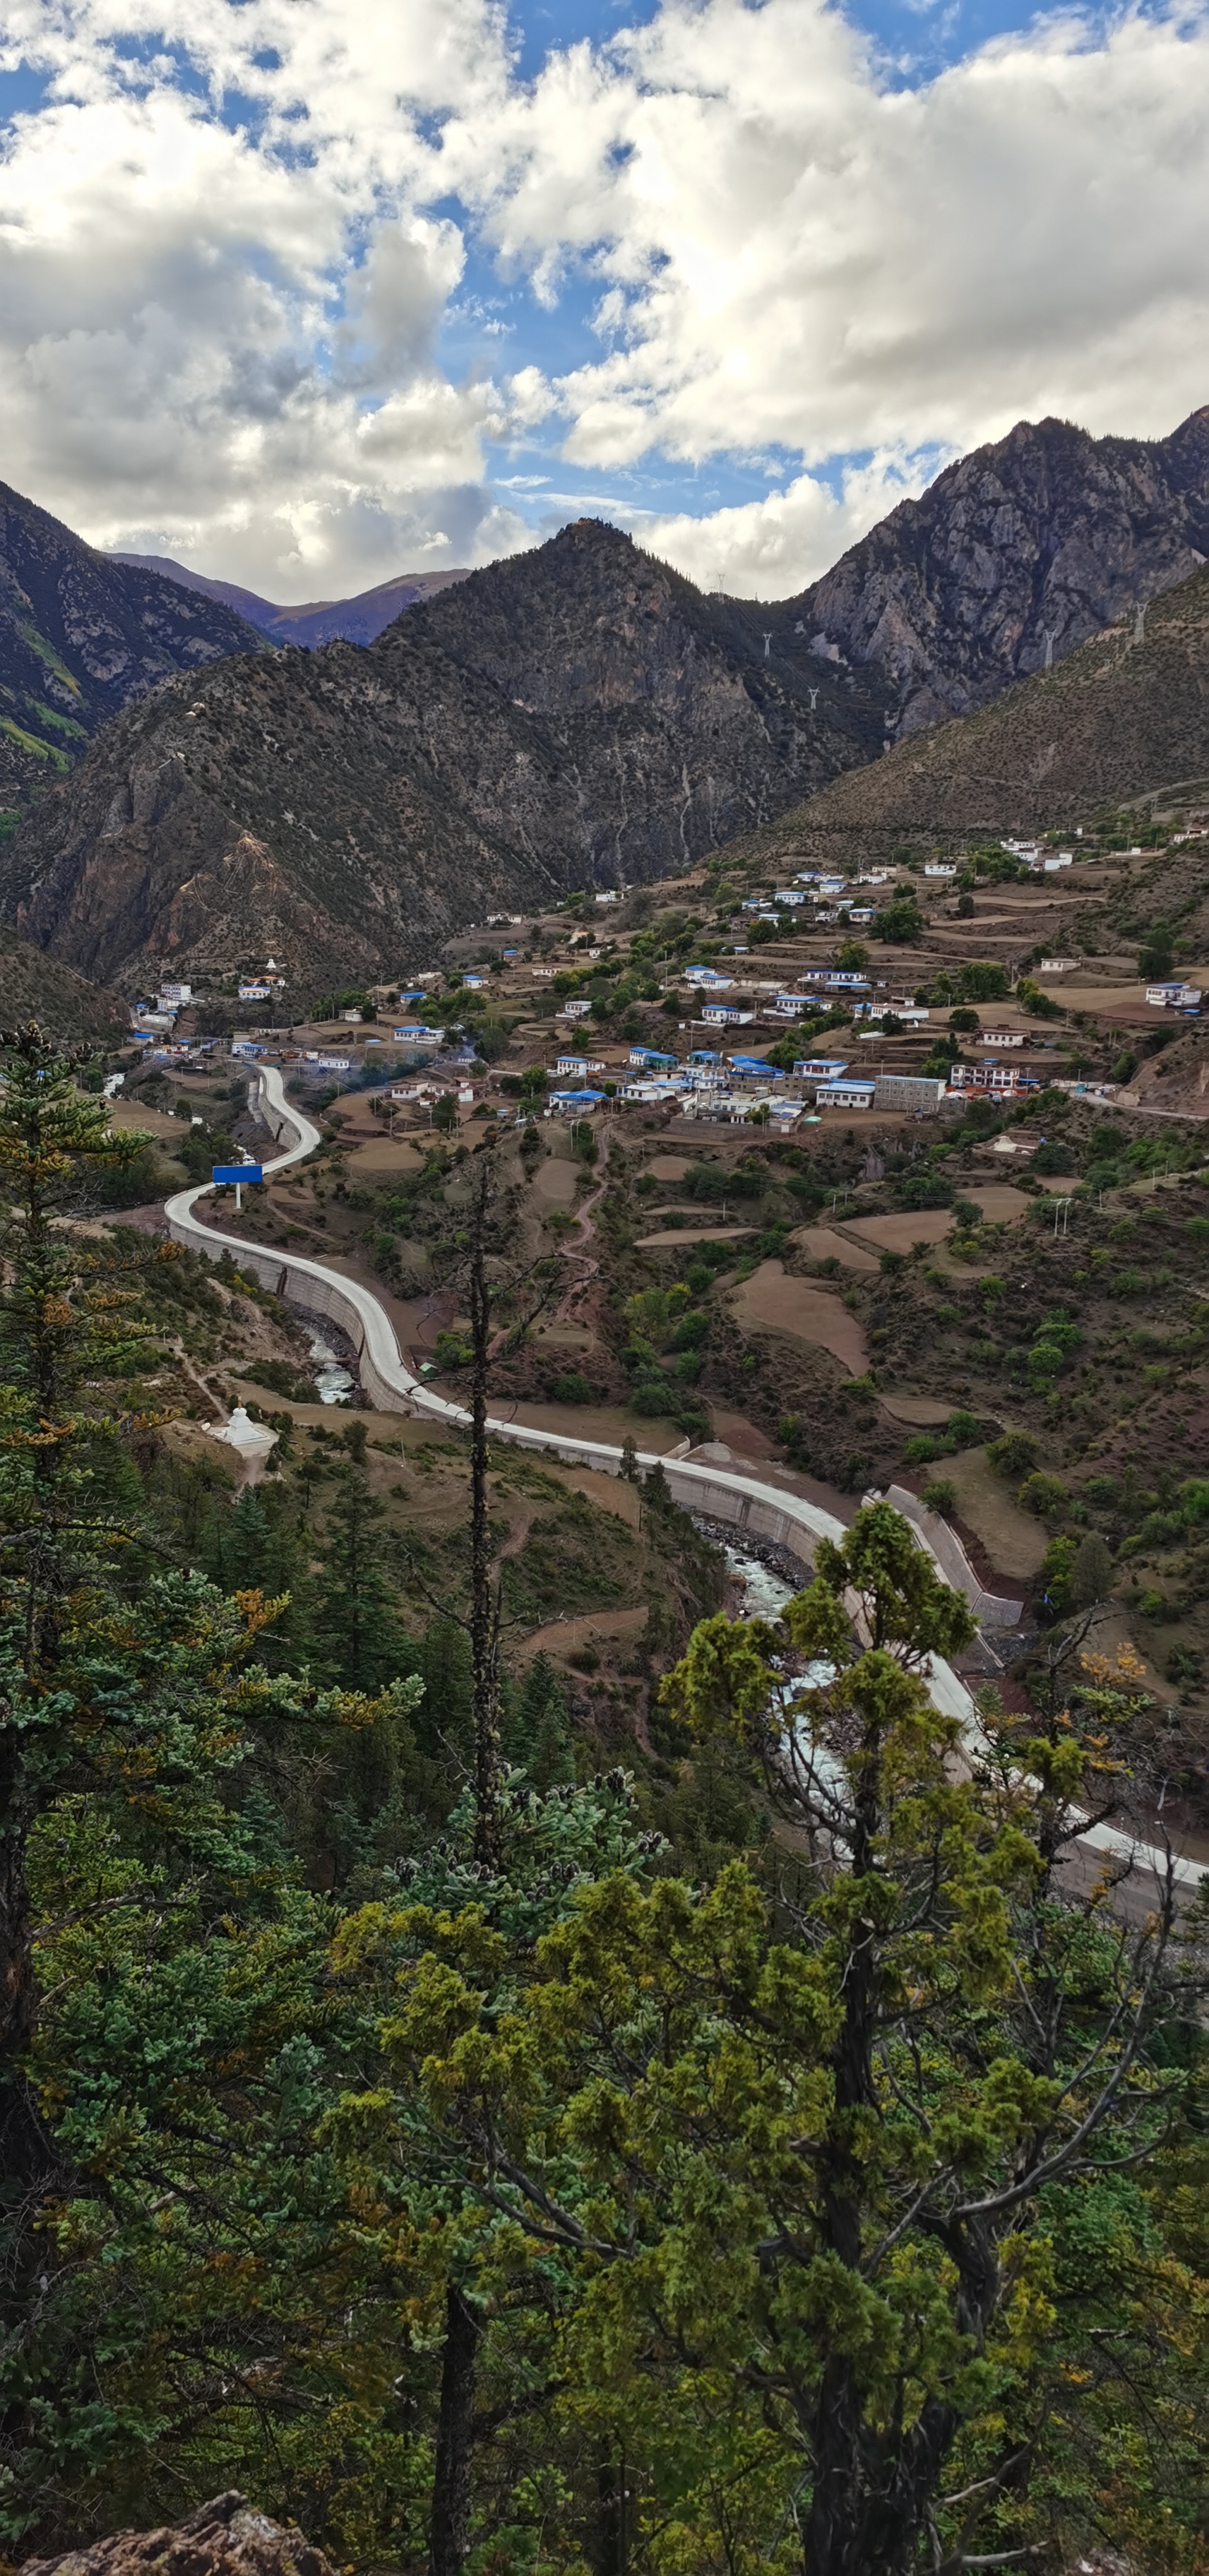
750, 1506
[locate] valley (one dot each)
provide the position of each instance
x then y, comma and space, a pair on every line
645, 1546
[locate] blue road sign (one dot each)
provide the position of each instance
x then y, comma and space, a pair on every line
237, 1172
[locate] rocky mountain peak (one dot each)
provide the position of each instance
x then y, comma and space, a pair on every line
1016, 554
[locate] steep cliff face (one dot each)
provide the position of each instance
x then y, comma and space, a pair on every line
576, 715
80, 637
1013, 557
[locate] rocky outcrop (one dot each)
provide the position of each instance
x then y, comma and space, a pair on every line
81, 636
576, 715
225, 2537
1013, 557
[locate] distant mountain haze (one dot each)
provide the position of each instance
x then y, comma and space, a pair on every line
321, 621
80, 637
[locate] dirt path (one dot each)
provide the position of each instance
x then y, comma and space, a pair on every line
579, 1287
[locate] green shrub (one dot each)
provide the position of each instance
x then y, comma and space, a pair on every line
1154, 1604
921, 1448
1044, 1495
963, 1429
653, 1396
573, 1388
940, 1495
1014, 1454
452, 1350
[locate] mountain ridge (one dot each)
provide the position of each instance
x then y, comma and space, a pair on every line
1014, 556
576, 714
356, 620
1121, 717
81, 637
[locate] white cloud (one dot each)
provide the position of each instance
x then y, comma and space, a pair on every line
226, 344
770, 548
791, 251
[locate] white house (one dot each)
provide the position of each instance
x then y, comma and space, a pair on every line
1174, 997
580, 1064
726, 1015
261, 993
939, 868
414, 1033
821, 1068
845, 1093
1002, 1038
788, 894
790, 1006
574, 1010
173, 995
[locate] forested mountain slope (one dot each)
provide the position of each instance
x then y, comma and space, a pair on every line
81, 637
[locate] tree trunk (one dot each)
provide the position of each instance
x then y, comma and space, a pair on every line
484, 1611
449, 2529
609, 2546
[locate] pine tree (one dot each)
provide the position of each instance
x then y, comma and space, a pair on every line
539, 1739
359, 1642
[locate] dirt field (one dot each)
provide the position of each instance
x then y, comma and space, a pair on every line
999, 1202
739, 1434
554, 1182
920, 1410
380, 1155
694, 1234
823, 1244
911, 1225
154, 1122
805, 1313
668, 1167
565, 1637
1013, 1540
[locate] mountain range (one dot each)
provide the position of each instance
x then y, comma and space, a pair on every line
574, 714
581, 713
321, 621
1015, 555
81, 637
1123, 716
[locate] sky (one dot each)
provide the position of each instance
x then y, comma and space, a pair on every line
308, 293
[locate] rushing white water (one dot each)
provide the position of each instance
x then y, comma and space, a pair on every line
765, 1593
332, 1378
